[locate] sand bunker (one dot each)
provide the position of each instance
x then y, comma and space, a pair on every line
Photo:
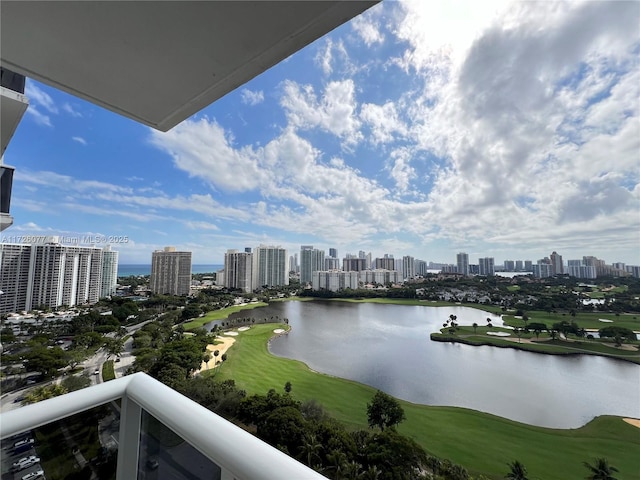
632, 421
605, 320
243, 329
278, 330
499, 334
221, 347
231, 334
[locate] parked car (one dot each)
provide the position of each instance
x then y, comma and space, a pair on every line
97, 372
33, 475
26, 441
25, 462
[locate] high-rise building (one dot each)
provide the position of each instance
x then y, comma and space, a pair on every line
462, 261
380, 276
109, 272
421, 267
510, 266
270, 267
350, 264
170, 272
238, 270
333, 253
408, 267
386, 263
334, 280
48, 274
14, 276
579, 269
543, 268
331, 263
556, 264
486, 266
528, 266
311, 260
519, 265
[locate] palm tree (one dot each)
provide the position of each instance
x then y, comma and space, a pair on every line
475, 327
518, 472
215, 354
601, 470
310, 448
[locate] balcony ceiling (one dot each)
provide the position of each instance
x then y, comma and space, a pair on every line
159, 62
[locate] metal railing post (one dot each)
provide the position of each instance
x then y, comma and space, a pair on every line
129, 445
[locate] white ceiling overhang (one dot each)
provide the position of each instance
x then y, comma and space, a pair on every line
159, 62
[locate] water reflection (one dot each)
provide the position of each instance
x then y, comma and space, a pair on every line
388, 347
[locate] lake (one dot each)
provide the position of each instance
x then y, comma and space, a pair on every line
388, 347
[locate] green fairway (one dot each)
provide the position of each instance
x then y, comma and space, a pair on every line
584, 320
481, 442
467, 336
219, 315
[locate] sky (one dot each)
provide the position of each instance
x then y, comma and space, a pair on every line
500, 129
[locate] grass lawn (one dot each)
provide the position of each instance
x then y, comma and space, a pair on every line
584, 320
108, 373
481, 442
219, 315
467, 336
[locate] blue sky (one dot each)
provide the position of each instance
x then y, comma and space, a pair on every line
420, 128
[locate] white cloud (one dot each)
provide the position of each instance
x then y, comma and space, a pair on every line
40, 97
203, 149
70, 110
39, 117
334, 112
249, 97
80, 140
367, 29
384, 122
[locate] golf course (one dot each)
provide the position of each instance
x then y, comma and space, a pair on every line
483, 443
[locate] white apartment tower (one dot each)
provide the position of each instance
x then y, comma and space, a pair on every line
48, 274
462, 261
408, 267
311, 260
170, 272
109, 272
14, 276
486, 266
334, 280
270, 267
238, 268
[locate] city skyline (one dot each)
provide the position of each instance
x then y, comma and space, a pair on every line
416, 129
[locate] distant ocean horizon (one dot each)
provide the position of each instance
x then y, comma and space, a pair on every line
125, 270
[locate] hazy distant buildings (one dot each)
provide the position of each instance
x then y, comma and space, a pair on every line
462, 262
333, 253
331, 263
486, 266
380, 276
334, 280
421, 267
109, 272
556, 264
385, 263
311, 260
49, 275
270, 267
238, 270
519, 266
510, 266
354, 264
579, 269
528, 266
170, 272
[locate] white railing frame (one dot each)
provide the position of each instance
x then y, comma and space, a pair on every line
239, 454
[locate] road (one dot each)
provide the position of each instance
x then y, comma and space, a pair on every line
92, 364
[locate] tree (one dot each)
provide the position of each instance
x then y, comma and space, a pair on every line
517, 471
206, 357
215, 354
475, 327
384, 411
537, 328
287, 387
600, 470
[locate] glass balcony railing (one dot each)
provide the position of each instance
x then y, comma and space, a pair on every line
135, 427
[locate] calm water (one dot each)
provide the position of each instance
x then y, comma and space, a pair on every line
388, 347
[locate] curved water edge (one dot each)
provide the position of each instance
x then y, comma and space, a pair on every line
388, 347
